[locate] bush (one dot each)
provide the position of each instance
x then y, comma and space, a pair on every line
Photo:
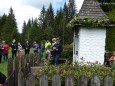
67, 52
76, 70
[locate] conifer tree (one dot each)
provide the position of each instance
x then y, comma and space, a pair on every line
9, 30
35, 31
2, 23
24, 30
72, 9
42, 22
50, 16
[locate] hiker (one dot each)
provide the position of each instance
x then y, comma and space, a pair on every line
112, 58
5, 51
14, 48
35, 47
57, 49
47, 49
54, 41
27, 47
20, 49
42, 49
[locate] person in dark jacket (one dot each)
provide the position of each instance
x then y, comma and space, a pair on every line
27, 48
1, 51
35, 47
2, 78
14, 48
57, 49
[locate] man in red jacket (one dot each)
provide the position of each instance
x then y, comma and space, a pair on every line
5, 51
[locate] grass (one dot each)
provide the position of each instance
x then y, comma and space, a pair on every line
3, 65
3, 68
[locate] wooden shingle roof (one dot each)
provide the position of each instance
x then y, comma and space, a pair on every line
91, 9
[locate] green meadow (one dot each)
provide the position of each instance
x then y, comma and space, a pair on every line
3, 65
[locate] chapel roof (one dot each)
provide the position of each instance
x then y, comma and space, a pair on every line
91, 9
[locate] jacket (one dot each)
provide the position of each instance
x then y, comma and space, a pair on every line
5, 49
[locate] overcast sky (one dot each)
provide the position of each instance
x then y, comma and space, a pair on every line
25, 9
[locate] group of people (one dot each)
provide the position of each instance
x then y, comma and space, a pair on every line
16, 47
53, 49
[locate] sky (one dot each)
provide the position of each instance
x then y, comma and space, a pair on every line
25, 9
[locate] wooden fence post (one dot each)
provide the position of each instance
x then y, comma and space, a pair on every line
56, 80
31, 60
27, 68
108, 81
22, 63
31, 80
95, 81
27, 58
69, 81
20, 78
10, 71
82, 81
16, 70
43, 81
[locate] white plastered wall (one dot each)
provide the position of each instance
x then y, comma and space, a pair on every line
90, 44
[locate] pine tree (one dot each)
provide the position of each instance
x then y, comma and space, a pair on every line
66, 13
2, 23
72, 9
59, 23
107, 5
9, 30
110, 33
28, 29
50, 16
42, 22
24, 32
34, 34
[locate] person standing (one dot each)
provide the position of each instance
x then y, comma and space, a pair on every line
57, 49
47, 44
27, 48
1, 51
19, 50
54, 41
47, 49
5, 51
14, 48
35, 47
42, 49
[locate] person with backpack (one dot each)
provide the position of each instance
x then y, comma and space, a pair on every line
57, 49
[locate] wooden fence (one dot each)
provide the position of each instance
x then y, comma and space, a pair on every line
20, 75
23, 64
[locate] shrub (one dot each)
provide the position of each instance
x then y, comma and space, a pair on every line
76, 70
67, 52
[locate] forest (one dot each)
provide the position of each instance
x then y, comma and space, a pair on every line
49, 24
